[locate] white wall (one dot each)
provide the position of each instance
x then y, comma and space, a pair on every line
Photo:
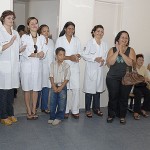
136, 20
5, 5
19, 9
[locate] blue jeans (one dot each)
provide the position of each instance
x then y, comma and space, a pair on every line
58, 104
96, 101
43, 95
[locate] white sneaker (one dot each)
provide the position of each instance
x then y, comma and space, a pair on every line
56, 122
50, 121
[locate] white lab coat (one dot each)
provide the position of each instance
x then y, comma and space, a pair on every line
49, 58
9, 60
94, 73
31, 67
74, 47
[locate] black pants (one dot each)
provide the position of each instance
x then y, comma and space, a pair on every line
6, 103
118, 98
140, 92
96, 101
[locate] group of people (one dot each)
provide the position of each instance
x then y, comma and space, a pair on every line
44, 68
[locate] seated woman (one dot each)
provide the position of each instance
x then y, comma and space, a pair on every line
141, 90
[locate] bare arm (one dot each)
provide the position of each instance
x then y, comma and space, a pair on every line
4, 47
129, 59
53, 84
62, 86
111, 57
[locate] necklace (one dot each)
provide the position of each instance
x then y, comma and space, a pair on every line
34, 36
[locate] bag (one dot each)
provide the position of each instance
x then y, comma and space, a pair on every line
132, 78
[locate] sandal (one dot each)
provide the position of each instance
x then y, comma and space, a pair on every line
66, 116
98, 112
122, 121
45, 111
136, 116
75, 116
35, 116
30, 117
89, 114
110, 120
144, 114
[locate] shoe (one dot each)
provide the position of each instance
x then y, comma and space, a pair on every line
66, 116
45, 111
50, 121
6, 122
136, 116
144, 114
13, 119
89, 114
75, 116
98, 112
110, 120
30, 117
35, 116
56, 122
122, 121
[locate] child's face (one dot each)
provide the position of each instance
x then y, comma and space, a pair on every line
60, 56
45, 32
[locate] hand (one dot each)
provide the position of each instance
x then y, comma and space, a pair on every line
74, 58
99, 59
102, 62
22, 49
55, 89
59, 89
12, 39
40, 54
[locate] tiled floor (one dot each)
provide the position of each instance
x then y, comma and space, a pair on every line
83, 134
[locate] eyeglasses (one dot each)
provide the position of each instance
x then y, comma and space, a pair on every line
35, 47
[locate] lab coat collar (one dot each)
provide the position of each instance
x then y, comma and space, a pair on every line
4, 29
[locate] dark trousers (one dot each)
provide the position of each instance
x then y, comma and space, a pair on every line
96, 101
140, 92
6, 103
118, 98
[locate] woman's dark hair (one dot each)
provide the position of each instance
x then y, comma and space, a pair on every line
65, 27
21, 28
59, 49
5, 14
95, 28
28, 22
119, 35
139, 55
41, 27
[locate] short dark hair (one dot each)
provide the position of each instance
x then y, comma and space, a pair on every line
59, 49
139, 55
95, 28
5, 14
21, 28
66, 26
119, 35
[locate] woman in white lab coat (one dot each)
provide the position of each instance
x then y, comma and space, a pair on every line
9, 66
31, 65
71, 44
94, 54
49, 58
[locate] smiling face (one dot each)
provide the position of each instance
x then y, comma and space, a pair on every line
33, 25
123, 40
98, 34
69, 31
8, 21
45, 31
